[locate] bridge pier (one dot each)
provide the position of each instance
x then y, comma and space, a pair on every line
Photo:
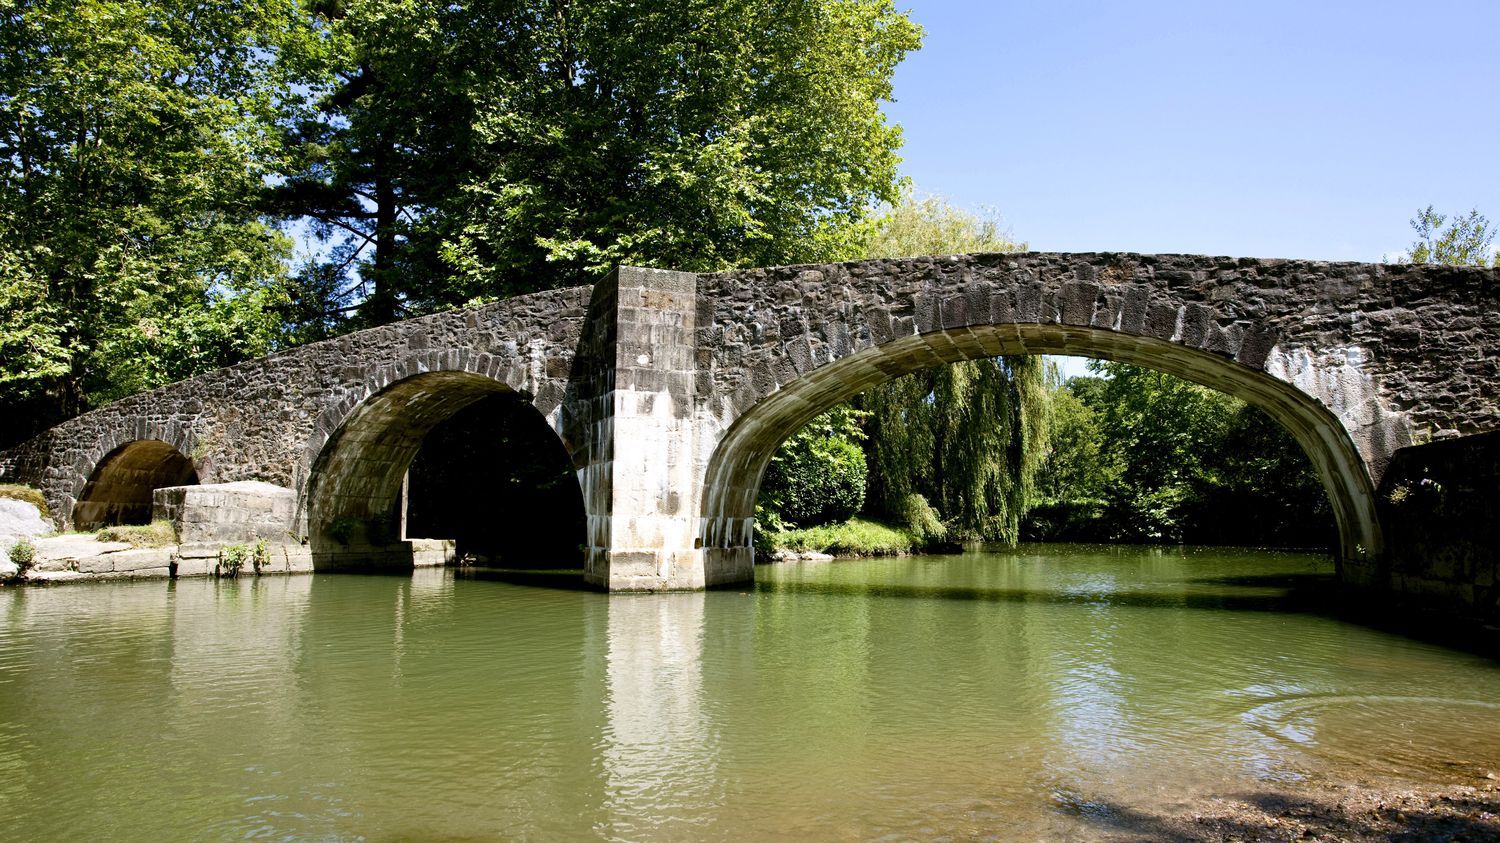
642, 477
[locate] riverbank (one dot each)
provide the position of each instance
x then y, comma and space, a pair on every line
86, 557
855, 538
1322, 811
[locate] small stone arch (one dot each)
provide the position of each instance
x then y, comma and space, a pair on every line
734, 470
120, 487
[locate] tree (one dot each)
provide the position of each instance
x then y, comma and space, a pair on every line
1465, 242
388, 141
484, 148
1077, 474
818, 475
1140, 455
133, 140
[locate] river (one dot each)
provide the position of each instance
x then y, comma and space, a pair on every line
1035, 693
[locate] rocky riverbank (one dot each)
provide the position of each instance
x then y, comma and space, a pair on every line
1387, 812
79, 557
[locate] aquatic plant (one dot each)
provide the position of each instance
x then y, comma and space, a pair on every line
232, 558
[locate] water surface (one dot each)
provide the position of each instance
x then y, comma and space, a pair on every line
1025, 694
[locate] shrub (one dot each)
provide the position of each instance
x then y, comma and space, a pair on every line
232, 558
856, 537
260, 556
818, 475
23, 554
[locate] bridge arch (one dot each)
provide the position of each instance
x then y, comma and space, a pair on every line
120, 486
354, 488
734, 470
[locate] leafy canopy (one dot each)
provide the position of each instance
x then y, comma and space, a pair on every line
133, 142
479, 149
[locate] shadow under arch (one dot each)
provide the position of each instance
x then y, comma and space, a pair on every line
355, 492
120, 488
735, 469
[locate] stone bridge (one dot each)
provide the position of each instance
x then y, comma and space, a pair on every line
671, 390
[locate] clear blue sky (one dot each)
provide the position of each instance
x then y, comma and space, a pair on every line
1266, 129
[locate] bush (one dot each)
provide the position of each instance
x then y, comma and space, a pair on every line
23, 554
818, 475
856, 537
155, 534
25, 494
232, 558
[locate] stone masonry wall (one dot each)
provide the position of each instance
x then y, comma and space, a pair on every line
267, 419
670, 390
1412, 353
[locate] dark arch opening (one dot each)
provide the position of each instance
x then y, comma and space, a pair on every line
734, 472
119, 491
356, 504
497, 480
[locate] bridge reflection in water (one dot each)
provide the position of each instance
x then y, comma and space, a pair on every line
1028, 694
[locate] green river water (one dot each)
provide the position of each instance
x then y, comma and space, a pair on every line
1030, 694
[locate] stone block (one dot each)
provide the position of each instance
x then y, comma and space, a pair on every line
144, 558
92, 565
299, 559
239, 512
200, 567
198, 551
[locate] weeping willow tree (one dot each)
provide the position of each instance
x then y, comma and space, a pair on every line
953, 451
961, 444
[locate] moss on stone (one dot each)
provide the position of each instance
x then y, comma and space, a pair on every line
155, 534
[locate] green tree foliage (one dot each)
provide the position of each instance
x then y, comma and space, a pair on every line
932, 225
133, 142
968, 438
1143, 456
480, 149
1078, 472
818, 475
1464, 242
388, 142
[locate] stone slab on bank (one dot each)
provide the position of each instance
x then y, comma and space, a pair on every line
83, 558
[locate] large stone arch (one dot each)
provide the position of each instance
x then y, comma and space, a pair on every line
361, 448
1327, 349
734, 470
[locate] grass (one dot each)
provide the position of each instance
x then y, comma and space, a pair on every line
855, 537
155, 534
25, 494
